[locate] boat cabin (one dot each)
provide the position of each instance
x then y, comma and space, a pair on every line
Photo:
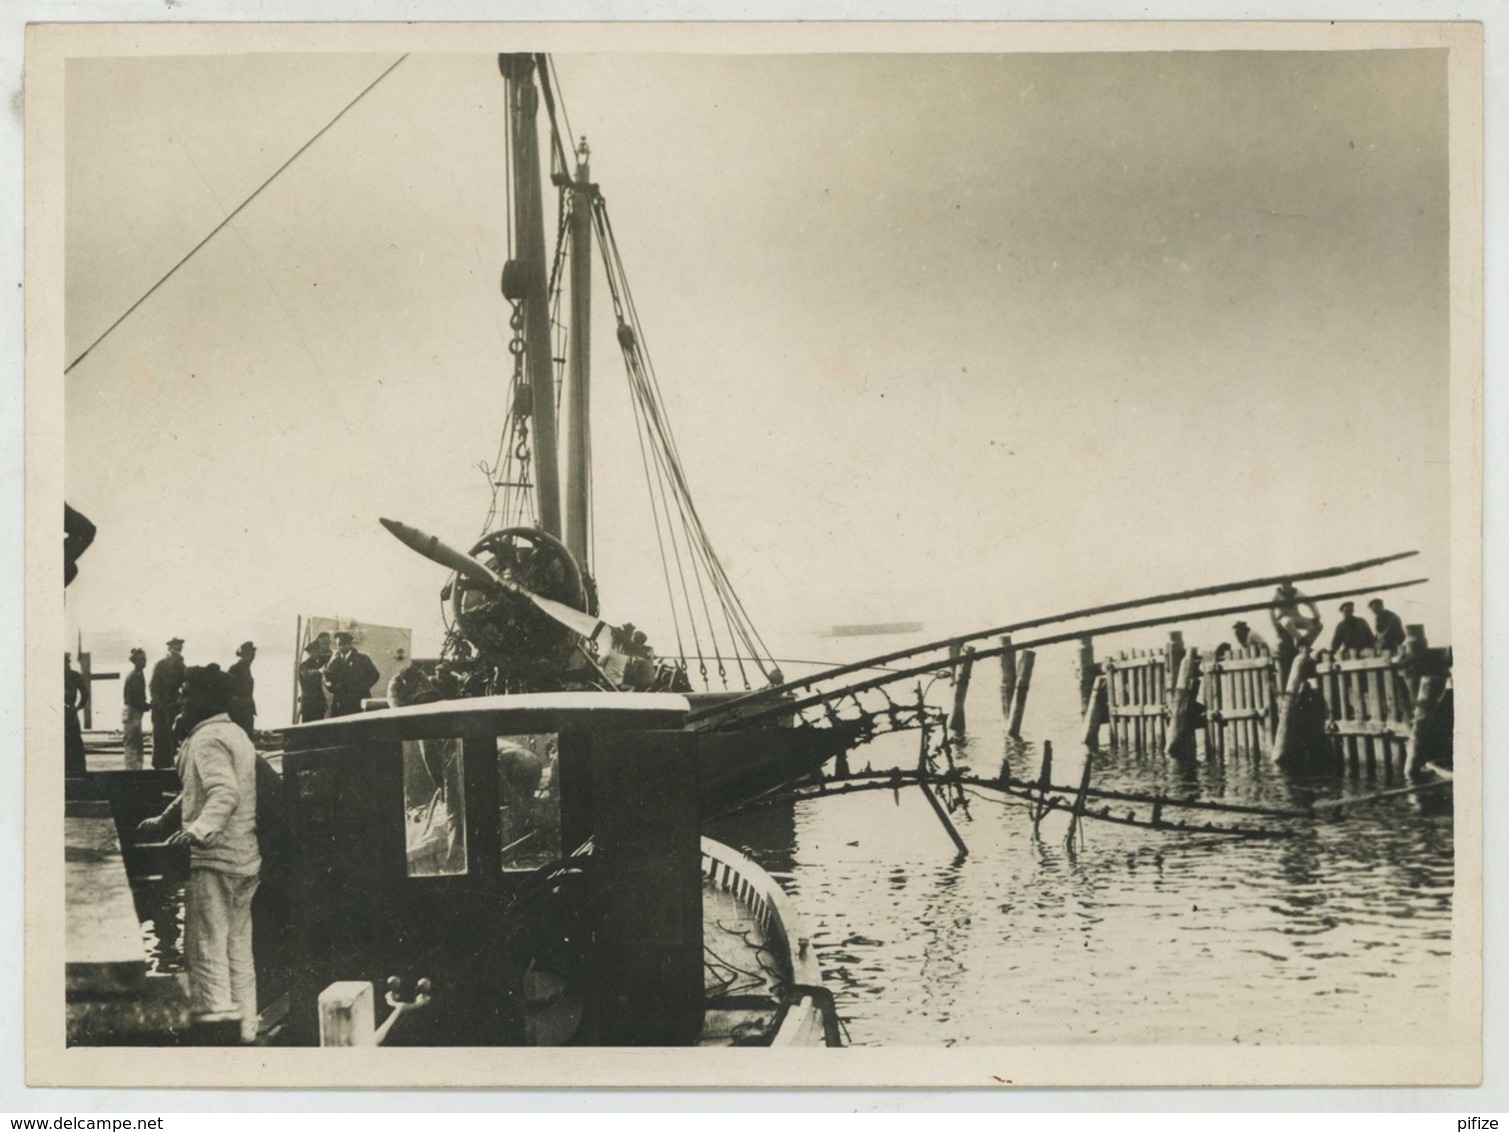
534, 858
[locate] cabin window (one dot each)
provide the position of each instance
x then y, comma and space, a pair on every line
529, 800
434, 801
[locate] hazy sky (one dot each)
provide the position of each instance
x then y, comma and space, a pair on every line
952, 338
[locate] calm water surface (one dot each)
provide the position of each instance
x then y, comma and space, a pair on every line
1339, 934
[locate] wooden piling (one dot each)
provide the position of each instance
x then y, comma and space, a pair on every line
1418, 754
1290, 744
1181, 733
1008, 676
1415, 646
1096, 713
1079, 801
1019, 697
1044, 781
962, 674
1088, 671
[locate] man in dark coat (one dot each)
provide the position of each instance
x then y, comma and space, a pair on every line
243, 704
1387, 626
134, 707
1352, 632
349, 675
76, 695
312, 703
166, 688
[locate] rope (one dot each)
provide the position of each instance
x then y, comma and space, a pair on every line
234, 213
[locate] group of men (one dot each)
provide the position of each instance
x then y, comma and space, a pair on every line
1301, 626
334, 681
162, 699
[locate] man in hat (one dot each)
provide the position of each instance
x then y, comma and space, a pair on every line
1387, 627
349, 675
167, 690
312, 702
1352, 632
76, 695
134, 698
217, 768
1247, 637
243, 705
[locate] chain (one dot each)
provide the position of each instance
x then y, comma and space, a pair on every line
521, 410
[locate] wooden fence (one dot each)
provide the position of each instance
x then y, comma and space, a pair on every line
1370, 704
1363, 710
1137, 693
1238, 691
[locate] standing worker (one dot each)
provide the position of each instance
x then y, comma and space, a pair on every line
134, 697
167, 689
1387, 625
312, 703
349, 675
76, 695
1352, 632
217, 768
243, 704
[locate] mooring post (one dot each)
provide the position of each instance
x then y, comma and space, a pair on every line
1415, 647
1290, 743
1008, 675
1417, 754
1088, 670
1181, 733
1173, 657
1095, 714
1044, 781
1019, 697
962, 674
1079, 800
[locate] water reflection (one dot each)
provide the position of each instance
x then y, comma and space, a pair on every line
1338, 934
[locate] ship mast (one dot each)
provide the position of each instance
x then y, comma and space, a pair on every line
576, 397
532, 276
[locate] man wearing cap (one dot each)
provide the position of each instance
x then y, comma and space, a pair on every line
1248, 638
134, 698
312, 703
349, 675
243, 705
217, 767
166, 687
1352, 632
1387, 626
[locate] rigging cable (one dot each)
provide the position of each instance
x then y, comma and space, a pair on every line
725, 586
647, 389
234, 213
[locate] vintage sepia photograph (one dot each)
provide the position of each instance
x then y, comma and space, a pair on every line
780, 554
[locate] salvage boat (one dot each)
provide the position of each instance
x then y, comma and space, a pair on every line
528, 869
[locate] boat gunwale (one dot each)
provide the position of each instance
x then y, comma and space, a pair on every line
807, 1000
